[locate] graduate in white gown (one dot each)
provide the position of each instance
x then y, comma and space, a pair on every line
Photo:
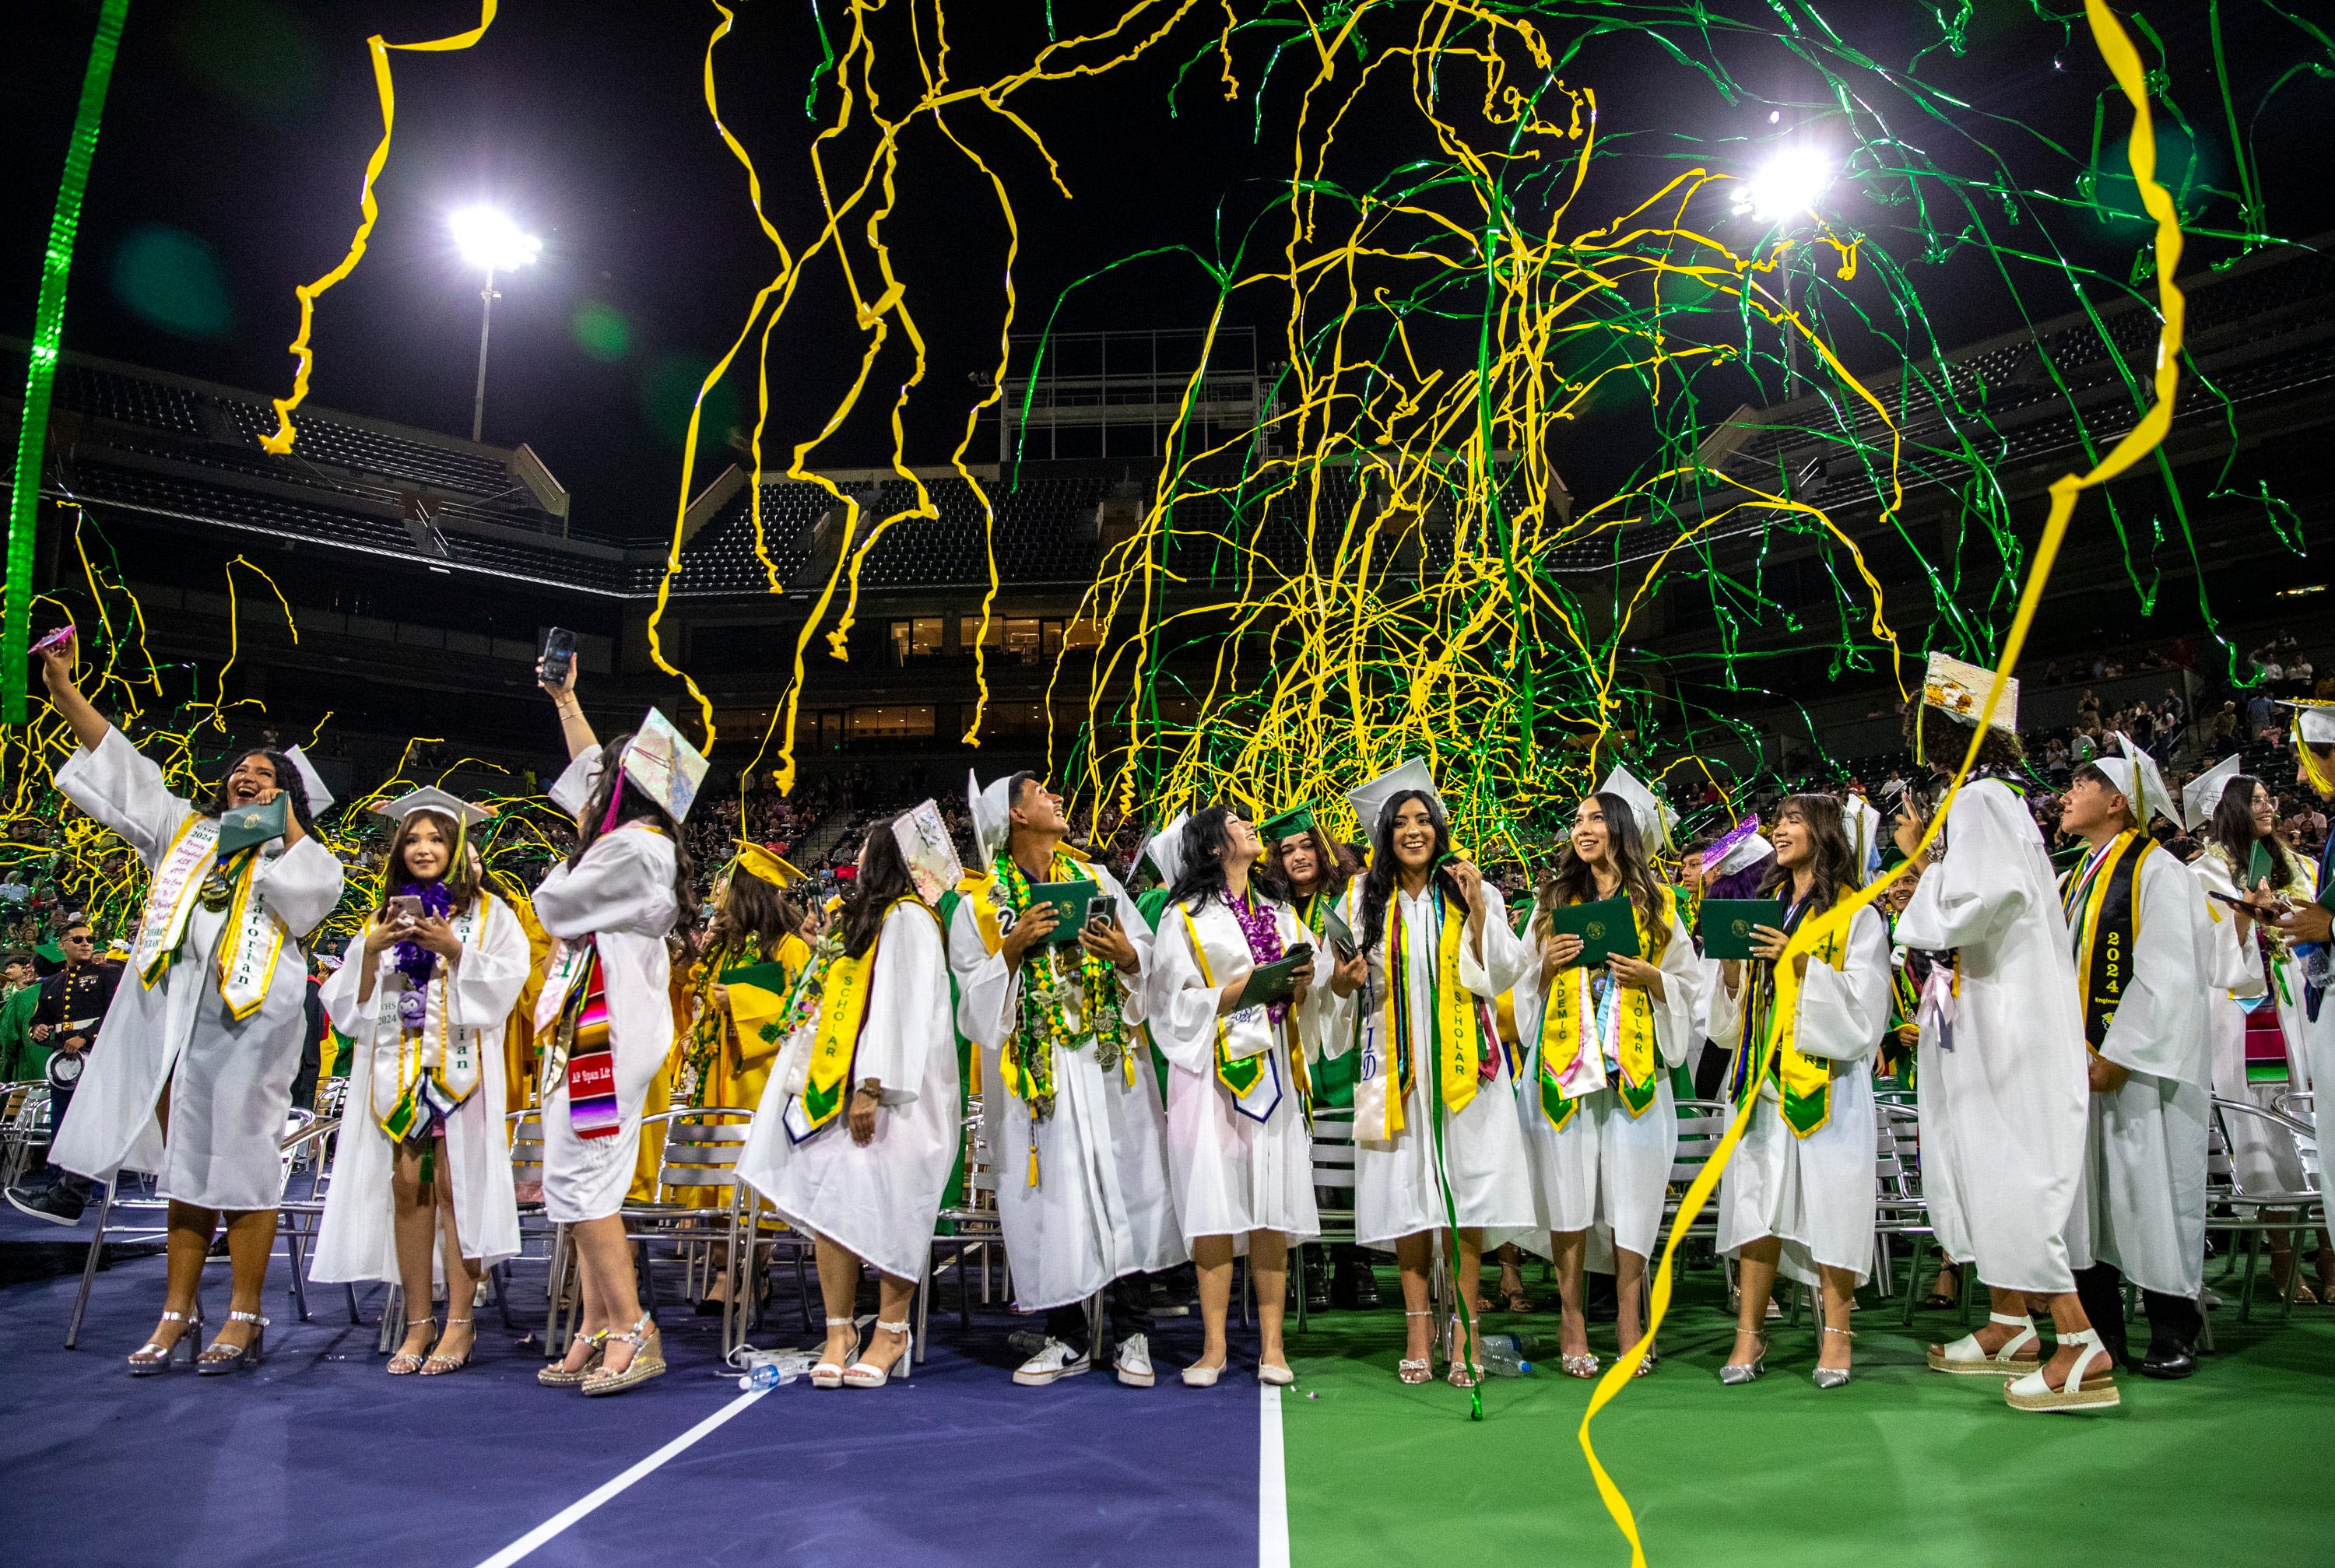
1070, 1107
2304, 923
1598, 1117
2145, 953
1798, 1194
2005, 1099
1237, 1148
204, 1035
421, 1185
857, 1132
606, 1014
1436, 1144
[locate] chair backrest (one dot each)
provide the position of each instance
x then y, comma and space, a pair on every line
1333, 1148
2277, 1127
701, 1147
1701, 1124
526, 1146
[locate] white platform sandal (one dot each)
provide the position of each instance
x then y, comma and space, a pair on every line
860, 1375
1965, 1358
2080, 1393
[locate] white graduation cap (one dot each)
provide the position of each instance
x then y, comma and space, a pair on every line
1370, 801
2135, 776
664, 766
429, 797
1654, 819
1959, 690
2314, 721
1743, 847
2202, 794
924, 845
1165, 849
1862, 820
992, 811
311, 783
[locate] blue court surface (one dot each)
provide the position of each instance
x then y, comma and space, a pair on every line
318, 1456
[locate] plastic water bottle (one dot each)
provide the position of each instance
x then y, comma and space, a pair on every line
771, 1369
1504, 1356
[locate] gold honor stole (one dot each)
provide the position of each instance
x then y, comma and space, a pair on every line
1768, 1043
442, 1052
1570, 1025
1242, 1075
835, 1047
2104, 921
1458, 1026
252, 939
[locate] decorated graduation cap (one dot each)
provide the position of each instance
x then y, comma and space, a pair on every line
992, 811
1959, 690
1370, 801
429, 797
1654, 819
2135, 777
2202, 794
926, 847
664, 766
1298, 818
1165, 848
311, 783
775, 869
1740, 848
2314, 725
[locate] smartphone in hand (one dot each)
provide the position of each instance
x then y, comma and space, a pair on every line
405, 907
559, 659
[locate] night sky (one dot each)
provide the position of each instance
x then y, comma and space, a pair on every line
237, 130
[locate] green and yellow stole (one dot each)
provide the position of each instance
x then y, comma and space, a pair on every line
1241, 1074
843, 989
1803, 1083
1573, 1021
2104, 926
1461, 1044
1042, 1020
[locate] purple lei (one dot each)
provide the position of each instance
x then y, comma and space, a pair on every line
1263, 934
413, 961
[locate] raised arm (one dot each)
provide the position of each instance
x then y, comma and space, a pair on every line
574, 728
89, 725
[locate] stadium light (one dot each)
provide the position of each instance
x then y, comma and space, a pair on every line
1787, 186
488, 239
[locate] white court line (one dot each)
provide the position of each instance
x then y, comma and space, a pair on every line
560, 1520
1272, 1484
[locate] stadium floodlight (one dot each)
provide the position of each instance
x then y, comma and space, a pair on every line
1787, 186
488, 239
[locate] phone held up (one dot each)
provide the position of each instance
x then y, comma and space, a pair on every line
404, 908
559, 659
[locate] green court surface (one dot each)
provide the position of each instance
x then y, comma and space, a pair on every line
1904, 1466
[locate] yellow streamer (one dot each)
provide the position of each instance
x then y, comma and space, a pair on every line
2123, 61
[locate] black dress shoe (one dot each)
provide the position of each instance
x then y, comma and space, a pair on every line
59, 1203
2169, 1362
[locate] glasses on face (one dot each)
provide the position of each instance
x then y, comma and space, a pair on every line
82, 941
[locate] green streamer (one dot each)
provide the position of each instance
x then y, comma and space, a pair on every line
40, 372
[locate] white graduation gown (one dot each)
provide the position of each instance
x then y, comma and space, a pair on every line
1397, 1190
230, 1083
1606, 1171
1816, 1193
2143, 1203
1101, 1206
879, 1202
2261, 1159
2005, 1110
619, 892
356, 1239
1242, 1166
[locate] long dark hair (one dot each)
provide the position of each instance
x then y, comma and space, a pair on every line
1944, 739
1337, 862
461, 885
882, 881
1832, 866
1573, 880
287, 779
2232, 826
1379, 879
1207, 844
635, 806
754, 912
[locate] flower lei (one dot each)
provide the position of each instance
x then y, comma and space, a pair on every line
1042, 1018
1264, 933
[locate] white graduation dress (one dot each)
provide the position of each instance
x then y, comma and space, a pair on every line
2263, 1160
620, 894
2006, 1101
1399, 1188
1242, 1165
230, 1082
1101, 1205
1815, 1194
1606, 1171
357, 1239
879, 1202
2143, 1203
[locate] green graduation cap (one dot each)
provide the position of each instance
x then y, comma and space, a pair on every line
1298, 818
